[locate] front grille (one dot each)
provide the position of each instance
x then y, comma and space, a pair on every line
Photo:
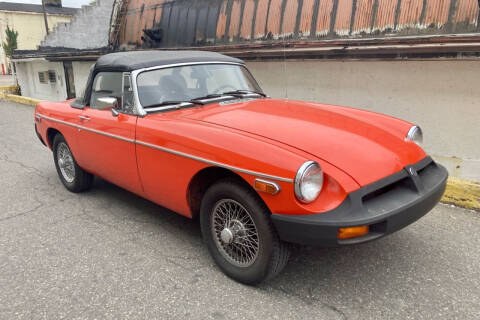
427, 174
403, 188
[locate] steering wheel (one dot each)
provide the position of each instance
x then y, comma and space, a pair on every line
224, 87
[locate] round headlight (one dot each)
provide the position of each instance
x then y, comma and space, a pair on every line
415, 134
308, 181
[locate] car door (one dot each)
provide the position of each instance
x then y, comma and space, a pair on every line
107, 140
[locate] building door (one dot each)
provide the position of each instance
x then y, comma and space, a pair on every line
69, 80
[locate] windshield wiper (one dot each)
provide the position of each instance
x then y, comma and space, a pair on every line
208, 96
236, 93
241, 92
199, 101
171, 103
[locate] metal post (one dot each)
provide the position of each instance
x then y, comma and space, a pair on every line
45, 16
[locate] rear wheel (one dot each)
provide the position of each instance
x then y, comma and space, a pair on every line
239, 235
74, 178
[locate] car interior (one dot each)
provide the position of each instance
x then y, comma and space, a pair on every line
172, 85
106, 84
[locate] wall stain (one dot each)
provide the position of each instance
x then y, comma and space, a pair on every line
190, 23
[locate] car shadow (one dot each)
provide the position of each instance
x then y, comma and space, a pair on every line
357, 274
332, 271
130, 207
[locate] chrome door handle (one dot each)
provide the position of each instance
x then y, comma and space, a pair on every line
84, 118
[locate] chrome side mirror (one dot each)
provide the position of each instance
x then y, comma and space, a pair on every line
107, 102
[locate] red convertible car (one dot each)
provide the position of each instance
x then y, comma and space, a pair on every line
194, 132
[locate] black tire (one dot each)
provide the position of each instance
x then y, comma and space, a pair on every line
271, 253
80, 180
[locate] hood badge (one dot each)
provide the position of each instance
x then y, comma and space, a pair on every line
412, 171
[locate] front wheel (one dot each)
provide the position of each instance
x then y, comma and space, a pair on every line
74, 178
239, 235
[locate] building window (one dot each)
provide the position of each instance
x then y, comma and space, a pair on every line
47, 76
52, 77
41, 77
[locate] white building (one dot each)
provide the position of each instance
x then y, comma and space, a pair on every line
28, 20
59, 68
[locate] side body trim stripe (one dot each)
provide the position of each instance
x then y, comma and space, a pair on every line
178, 153
87, 129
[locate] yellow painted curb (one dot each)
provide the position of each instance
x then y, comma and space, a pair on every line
462, 193
12, 87
23, 100
4, 91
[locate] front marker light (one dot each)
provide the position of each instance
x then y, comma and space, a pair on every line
352, 232
308, 182
415, 134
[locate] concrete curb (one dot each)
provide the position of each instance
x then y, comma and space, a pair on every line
12, 87
23, 100
6, 90
459, 192
462, 193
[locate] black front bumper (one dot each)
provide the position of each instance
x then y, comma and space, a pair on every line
386, 206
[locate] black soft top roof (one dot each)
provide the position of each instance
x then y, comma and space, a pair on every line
133, 60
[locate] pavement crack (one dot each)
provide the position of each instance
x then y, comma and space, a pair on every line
40, 205
23, 165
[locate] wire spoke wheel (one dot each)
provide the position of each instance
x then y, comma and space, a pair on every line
65, 162
239, 234
235, 233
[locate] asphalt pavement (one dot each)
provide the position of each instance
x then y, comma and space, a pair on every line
108, 254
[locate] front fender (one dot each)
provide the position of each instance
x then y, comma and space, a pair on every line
171, 151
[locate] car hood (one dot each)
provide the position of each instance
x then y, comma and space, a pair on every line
365, 145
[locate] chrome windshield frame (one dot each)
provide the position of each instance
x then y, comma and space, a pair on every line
138, 106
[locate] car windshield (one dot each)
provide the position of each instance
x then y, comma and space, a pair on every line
191, 82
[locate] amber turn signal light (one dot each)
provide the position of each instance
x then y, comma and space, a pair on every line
352, 232
266, 186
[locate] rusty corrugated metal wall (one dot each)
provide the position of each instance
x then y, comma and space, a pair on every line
187, 23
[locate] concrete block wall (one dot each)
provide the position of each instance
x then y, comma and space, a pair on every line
81, 71
89, 28
440, 96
